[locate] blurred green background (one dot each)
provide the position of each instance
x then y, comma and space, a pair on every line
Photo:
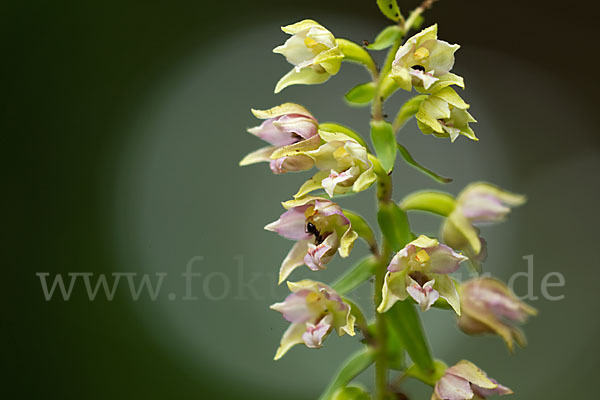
124, 122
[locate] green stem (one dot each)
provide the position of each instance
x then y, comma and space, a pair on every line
384, 195
377, 106
381, 368
415, 14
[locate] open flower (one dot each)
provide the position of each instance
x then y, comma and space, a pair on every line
424, 60
314, 310
319, 227
420, 270
444, 114
286, 125
477, 203
465, 381
488, 306
343, 163
313, 51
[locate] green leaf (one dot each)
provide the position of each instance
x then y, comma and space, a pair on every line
428, 377
356, 53
418, 22
384, 141
434, 202
394, 225
408, 110
394, 349
386, 38
351, 368
334, 127
360, 226
361, 94
351, 393
405, 321
390, 9
355, 276
411, 161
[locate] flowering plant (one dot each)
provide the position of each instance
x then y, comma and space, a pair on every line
408, 270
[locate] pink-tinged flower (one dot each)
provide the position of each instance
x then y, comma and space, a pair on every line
344, 166
488, 306
314, 310
319, 227
288, 126
466, 381
420, 270
478, 203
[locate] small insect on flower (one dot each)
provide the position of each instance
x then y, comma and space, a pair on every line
425, 62
319, 227
312, 229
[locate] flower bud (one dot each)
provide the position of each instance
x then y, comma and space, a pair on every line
465, 381
488, 306
444, 114
477, 203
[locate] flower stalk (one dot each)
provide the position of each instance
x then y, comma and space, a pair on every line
405, 268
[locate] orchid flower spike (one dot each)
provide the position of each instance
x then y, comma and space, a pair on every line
420, 270
477, 203
488, 306
465, 381
444, 114
314, 310
319, 227
313, 51
286, 125
425, 62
